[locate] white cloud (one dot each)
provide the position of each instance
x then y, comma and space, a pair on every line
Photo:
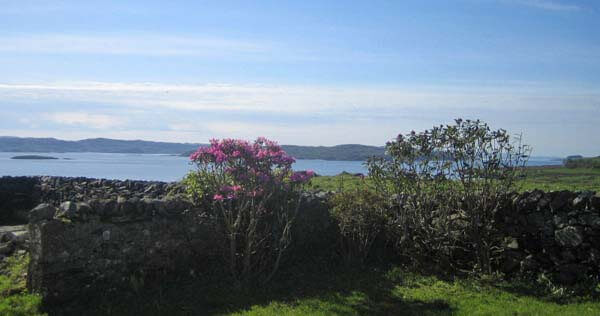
131, 44
98, 121
290, 99
292, 114
550, 5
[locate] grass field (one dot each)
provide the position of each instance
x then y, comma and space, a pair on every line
561, 178
543, 178
371, 292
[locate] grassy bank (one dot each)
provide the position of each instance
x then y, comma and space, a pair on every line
341, 292
14, 299
377, 291
543, 178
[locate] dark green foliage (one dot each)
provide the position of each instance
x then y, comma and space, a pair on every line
447, 184
361, 218
593, 162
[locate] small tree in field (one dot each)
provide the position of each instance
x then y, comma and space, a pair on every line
448, 183
255, 197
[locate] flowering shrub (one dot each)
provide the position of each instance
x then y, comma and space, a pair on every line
448, 184
255, 197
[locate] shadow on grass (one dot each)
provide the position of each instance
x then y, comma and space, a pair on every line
302, 291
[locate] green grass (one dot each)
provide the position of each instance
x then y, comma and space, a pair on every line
337, 183
543, 178
343, 292
561, 178
14, 299
401, 293
312, 291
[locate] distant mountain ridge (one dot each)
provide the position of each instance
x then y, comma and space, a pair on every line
349, 152
100, 145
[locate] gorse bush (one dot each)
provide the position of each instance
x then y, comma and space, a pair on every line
361, 217
255, 197
447, 184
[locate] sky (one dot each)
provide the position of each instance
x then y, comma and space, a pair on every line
301, 72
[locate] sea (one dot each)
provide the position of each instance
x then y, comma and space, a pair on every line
158, 167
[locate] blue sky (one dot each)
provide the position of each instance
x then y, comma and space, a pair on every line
301, 72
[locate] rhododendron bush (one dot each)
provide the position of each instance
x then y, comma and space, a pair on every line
255, 196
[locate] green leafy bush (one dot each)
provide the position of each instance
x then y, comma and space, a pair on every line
361, 217
447, 184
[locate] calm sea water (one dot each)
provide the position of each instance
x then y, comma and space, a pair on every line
155, 167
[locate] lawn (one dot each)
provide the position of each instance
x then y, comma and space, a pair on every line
543, 178
401, 293
309, 291
372, 292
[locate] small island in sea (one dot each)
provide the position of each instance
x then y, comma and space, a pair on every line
33, 157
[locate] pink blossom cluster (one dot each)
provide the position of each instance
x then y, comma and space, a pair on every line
262, 152
302, 176
250, 167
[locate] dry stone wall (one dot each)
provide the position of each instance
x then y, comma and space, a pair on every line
90, 234
78, 249
18, 195
557, 233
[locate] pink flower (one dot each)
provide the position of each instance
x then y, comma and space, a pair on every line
218, 197
302, 176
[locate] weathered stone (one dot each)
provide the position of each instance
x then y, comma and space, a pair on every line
536, 220
561, 200
511, 243
529, 264
590, 219
570, 274
67, 210
528, 201
569, 236
42, 212
511, 261
561, 220
568, 256
6, 248
595, 203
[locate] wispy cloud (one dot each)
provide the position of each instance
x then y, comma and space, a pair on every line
548, 5
97, 121
131, 44
295, 99
293, 114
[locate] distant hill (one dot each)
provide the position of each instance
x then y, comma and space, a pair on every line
104, 145
100, 145
350, 152
339, 152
